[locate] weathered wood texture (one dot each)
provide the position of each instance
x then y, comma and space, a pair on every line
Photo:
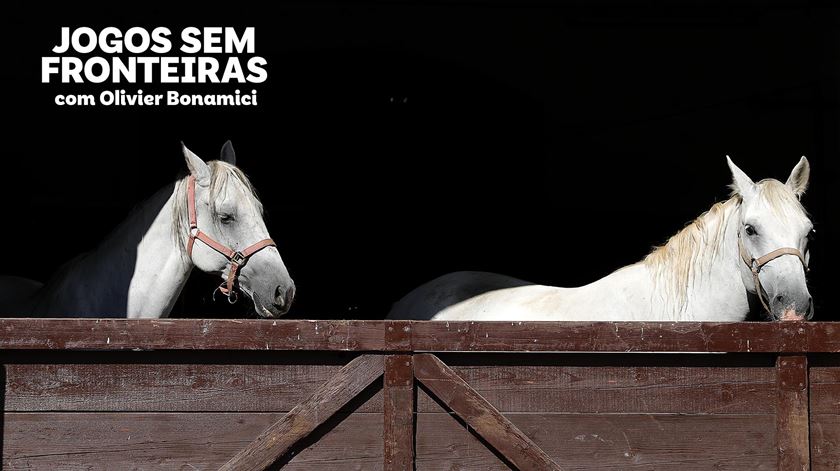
792, 413
825, 417
207, 440
398, 413
279, 388
626, 336
174, 441
198, 409
175, 334
486, 420
347, 383
184, 441
611, 442
188, 334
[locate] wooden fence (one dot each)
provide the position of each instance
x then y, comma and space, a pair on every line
261, 394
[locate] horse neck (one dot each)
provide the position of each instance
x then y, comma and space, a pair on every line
714, 290
137, 271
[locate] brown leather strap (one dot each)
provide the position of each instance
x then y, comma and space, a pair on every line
228, 253
778, 253
191, 213
251, 250
755, 264
237, 259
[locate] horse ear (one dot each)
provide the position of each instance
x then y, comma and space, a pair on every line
798, 179
228, 154
741, 183
198, 168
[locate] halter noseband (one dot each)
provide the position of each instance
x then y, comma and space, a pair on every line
237, 259
755, 264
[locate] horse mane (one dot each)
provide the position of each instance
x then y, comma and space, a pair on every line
690, 253
221, 174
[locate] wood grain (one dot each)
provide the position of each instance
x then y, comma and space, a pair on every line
229, 334
824, 395
348, 382
188, 441
488, 422
613, 442
792, 421
173, 441
280, 387
609, 389
190, 334
398, 413
748, 337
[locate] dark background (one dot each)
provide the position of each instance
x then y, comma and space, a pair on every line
397, 141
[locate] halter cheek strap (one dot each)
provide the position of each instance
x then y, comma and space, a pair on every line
755, 264
237, 259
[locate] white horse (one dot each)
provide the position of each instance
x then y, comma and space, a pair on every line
706, 272
209, 219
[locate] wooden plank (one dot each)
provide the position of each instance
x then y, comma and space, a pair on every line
792, 422
232, 334
632, 389
825, 438
625, 336
824, 390
183, 441
175, 441
280, 387
303, 419
164, 387
189, 334
499, 432
824, 400
611, 442
398, 431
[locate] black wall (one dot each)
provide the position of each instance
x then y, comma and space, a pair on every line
396, 141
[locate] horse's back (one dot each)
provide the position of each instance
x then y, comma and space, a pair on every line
427, 300
14, 290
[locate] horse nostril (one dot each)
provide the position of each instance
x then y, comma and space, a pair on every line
290, 295
780, 298
279, 297
283, 297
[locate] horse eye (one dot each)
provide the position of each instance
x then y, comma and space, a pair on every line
811, 234
226, 218
750, 230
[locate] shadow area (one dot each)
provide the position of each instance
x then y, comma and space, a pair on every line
322, 430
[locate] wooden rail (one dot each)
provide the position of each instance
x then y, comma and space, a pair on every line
259, 394
415, 336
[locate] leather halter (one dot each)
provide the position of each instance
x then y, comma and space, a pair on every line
755, 264
237, 259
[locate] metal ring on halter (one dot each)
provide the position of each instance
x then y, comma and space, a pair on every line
232, 298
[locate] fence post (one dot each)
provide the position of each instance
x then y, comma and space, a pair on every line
398, 413
792, 413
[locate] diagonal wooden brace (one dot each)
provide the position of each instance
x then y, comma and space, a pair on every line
479, 414
347, 383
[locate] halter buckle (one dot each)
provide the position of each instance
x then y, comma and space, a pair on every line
238, 258
754, 266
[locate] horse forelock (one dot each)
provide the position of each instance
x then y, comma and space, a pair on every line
780, 199
222, 174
